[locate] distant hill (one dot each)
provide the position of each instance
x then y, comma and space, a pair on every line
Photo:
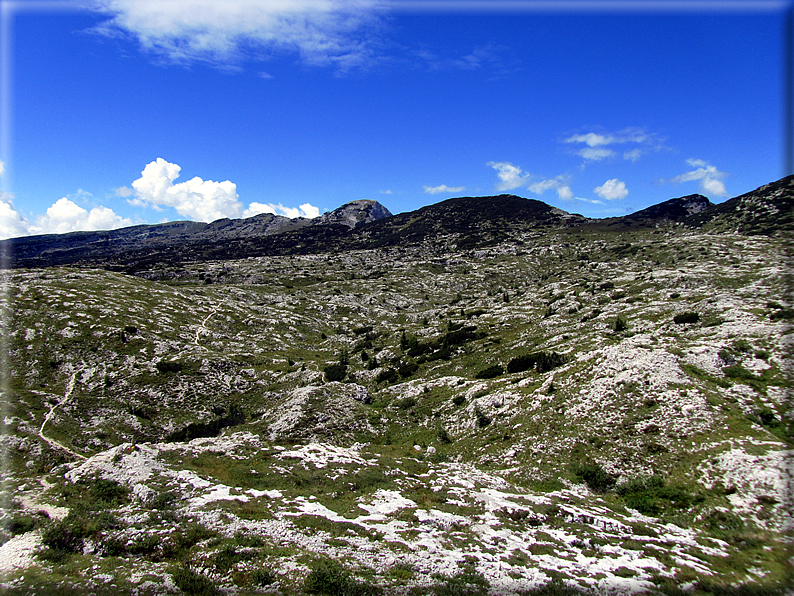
464, 222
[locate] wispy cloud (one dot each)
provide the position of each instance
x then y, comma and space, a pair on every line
597, 144
510, 176
709, 177
491, 57
434, 190
611, 190
588, 6
560, 184
335, 33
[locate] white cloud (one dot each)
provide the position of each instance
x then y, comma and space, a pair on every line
612, 190
540, 187
565, 193
633, 155
591, 154
385, 192
510, 176
124, 192
559, 183
197, 199
2, 168
597, 143
697, 163
306, 210
12, 224
67, 216
321, 32
434, 190
591, 139
710, 177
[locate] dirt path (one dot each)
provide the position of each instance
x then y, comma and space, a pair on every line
52, 442
204, 327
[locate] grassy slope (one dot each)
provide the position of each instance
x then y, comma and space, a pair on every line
700, 404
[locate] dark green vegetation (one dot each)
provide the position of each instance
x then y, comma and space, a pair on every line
506, 401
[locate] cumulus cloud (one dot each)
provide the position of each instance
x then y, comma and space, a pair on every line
598, 143
322, 32
124, 192
510, 176
612, 190
434, 190
61, 217
67, 216
306, 210
709, 177
196, 199
12, 224
2, 168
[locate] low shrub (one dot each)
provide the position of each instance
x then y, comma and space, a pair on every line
490, 372
405, 403
193, 583
686, 318
386, 375
62, 538
168, 367
620, 325
262, 577
483, 420
466, 582
407, 369
652, 495
540, 361
335, 372
19, 524
330, 578
594, 476
443, 436
737, 371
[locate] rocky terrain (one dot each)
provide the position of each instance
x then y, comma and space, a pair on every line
481, 397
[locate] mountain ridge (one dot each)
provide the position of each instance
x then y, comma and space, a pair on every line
360, 224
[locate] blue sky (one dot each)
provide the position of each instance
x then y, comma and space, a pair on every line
118, 112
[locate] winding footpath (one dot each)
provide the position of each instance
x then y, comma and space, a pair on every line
204, 327
52, 442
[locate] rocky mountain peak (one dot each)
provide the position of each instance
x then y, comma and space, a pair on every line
355, 213
674, 209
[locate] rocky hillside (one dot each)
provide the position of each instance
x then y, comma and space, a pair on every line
161, 241
567, 408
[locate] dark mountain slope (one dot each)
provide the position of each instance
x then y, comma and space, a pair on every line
672, 210
471, 220
766, 210
177, 240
